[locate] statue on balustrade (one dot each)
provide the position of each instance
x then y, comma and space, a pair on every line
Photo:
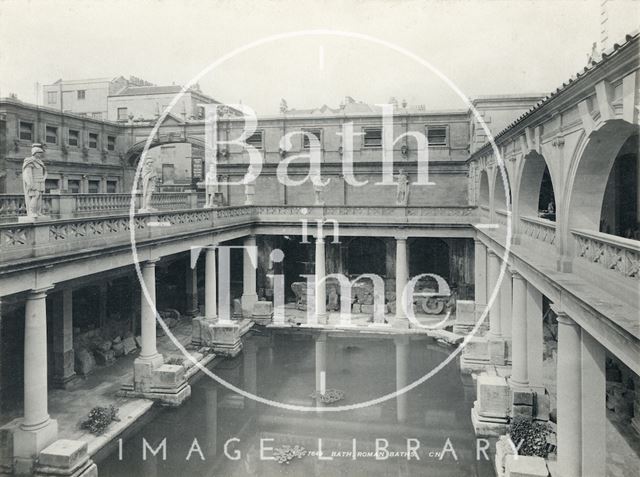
402, 194
318, 188
34, 174
148, 178
212, 189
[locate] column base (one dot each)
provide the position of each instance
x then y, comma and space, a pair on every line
223, 337
497, 350
262, 312
248, 302
401, 323
475, 355
27, 444
66, 458
466, 317
484, 426
63, 382
490, 413
154, 380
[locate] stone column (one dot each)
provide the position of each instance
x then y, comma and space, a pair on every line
210, 297
506, 304
519, 370
535, 338
63, 354
480, 280
493, 266
249, 295
103, 288
402, 277
149, 352
37, 430
594, 417
321, 286
191, 284
402, 375
569, 399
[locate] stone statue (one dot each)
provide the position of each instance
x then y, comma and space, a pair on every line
333, 301
34, 174
211, 188
148, 178
318, 188
402, 195
249, 192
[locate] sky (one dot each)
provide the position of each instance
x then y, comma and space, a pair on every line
482, 47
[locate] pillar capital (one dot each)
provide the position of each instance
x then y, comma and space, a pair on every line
38, 293
492, 252
515, 273
401, 238
150, 263
561, 316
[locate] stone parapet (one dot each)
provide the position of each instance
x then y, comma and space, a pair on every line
66, 457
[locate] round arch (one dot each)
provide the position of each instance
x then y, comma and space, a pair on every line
590, 170
531, 184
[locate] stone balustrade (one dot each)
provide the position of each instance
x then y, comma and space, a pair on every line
609, 252
65, 236
502, 217
542, 230
81, 205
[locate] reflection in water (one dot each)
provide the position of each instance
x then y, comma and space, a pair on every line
218, 432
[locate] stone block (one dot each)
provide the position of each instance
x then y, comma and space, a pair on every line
129, 345
262, 312
237, 308
522, 410
28, 444
494, 398
355, 308
542, 404
6, 446
367, 309
477, 347
85, 362
522, 396
497, 351
104, 358
525, 466
168, 376
118, 349
63, 453
465, 312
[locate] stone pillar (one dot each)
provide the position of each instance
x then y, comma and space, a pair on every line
519, 370
402, 277
37, 430
103, 288
149, 353
506, 304
402, 375
210, 297
480, 280
63, 354
594, 418
320, 284
569, 399
192, 290
249, 295
535, 338
321, 363
493, 266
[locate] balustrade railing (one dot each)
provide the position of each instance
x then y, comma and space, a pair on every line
539, 229
62, 206
618, 254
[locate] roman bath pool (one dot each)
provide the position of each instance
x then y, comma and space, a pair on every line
426, 431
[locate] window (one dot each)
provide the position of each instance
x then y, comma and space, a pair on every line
96, 115
26, 131
94, 187
74, 137
50, 184
373, 137
112, 187
111, 143
122, 114
255, 140
74, 186
52, 97
81, 93
305, 138
93, 140
51, 135
437, 135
